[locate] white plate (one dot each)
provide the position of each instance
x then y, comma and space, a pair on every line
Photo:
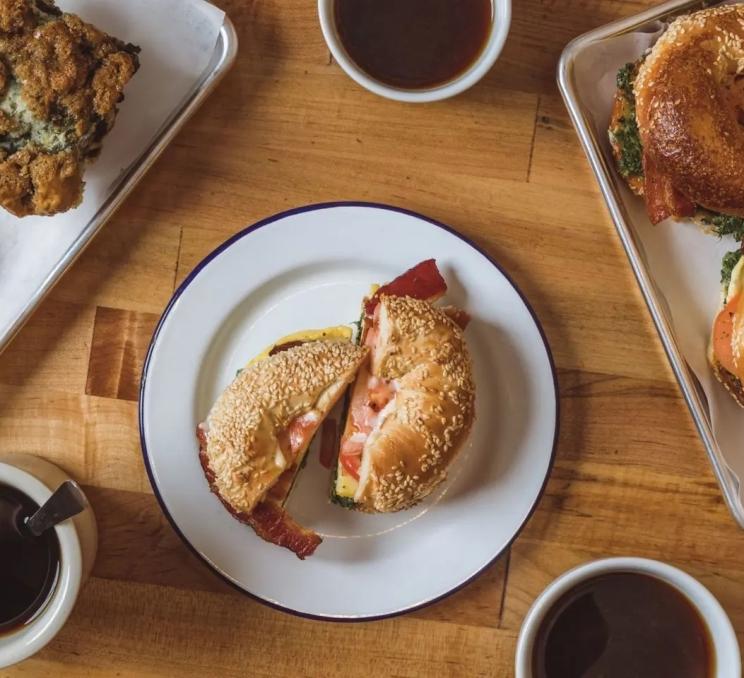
310, 268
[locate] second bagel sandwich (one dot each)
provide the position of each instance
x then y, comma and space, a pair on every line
676, 126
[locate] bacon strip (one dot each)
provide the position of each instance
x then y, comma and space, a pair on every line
273, 524
285, 347
328, 442
461, 318
662, 199
268, 519
423, 281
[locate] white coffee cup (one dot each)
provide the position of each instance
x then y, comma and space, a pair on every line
725, 645
78, 542
497, 37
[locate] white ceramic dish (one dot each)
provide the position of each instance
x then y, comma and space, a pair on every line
479, 68
78, 541
309, 268
725, 644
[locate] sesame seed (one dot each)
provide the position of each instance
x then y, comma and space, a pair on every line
245, 422
435, 401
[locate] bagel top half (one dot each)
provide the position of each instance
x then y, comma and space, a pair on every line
263, 423
423, 354
690, 106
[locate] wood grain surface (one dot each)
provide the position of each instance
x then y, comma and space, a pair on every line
501, 164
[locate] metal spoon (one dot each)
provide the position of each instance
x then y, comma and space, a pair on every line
67, 501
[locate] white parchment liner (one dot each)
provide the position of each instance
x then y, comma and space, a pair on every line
178, 39
683, 261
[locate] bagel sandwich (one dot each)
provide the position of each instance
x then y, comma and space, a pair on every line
726, 352
676, 126
412, 405
255, 437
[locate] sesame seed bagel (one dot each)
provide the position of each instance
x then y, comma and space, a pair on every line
422, 352
690, 107
245, 429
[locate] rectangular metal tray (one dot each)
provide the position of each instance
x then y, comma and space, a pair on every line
223, 58
600, 164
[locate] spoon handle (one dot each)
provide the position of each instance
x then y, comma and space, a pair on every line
67, 501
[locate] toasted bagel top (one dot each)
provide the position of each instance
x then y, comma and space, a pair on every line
243, 428
690, 106
423, 353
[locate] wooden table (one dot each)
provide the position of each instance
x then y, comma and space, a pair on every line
500, 163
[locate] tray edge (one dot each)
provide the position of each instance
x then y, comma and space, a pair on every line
688, 383
228, 46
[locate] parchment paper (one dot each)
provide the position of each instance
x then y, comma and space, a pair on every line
178, 38
683, 261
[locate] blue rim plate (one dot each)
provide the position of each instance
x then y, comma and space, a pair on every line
309, 268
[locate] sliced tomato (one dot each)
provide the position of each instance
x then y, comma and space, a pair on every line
423, 281
328, 434
351, 463
723, 332
362, 415
297, 435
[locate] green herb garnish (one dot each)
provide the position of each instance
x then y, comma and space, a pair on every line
630, 163
346, 502
625, 78
725, 225
625, 133
730, 259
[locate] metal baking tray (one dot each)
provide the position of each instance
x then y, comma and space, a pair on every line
615, 200
226, 49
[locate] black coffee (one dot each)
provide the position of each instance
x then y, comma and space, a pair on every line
620, 625
29, 566
414, 44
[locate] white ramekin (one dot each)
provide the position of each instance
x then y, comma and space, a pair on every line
78, 541
725, 645
496, 40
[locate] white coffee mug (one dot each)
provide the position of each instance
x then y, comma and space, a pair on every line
725, 645
499, 30
78, 542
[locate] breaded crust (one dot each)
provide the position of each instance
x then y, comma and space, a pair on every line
689, 103
730, 381
61, 80
421, 431
243, 428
